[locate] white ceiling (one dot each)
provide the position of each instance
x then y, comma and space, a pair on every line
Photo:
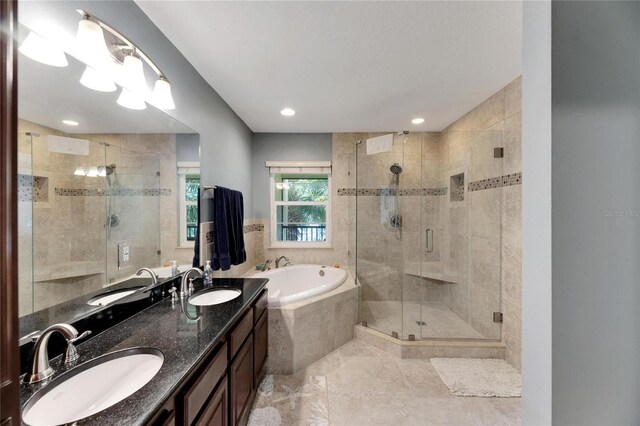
347, 66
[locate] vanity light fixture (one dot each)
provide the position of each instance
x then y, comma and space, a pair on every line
114, 58
42, 50
418, 120
93, 172
70, 122
287, 112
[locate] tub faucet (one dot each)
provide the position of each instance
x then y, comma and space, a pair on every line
279, 259
266, 265
154, 277
185, 280
40, 369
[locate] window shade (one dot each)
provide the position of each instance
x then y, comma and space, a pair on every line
299, 167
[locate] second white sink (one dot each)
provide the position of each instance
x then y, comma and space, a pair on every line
214, 297
92, 387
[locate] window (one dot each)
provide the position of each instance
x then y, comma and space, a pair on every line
188, 193
300, 204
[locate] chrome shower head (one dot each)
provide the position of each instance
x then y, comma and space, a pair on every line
396, 169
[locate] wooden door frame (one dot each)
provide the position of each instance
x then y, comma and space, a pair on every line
9, 385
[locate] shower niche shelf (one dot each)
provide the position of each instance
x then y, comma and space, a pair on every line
457, 187
431, 270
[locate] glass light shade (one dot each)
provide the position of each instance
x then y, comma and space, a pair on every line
93, 172
102, 171
130, 100
42, 50
90, 45
80, 171
97, 80
133, 74
162, 95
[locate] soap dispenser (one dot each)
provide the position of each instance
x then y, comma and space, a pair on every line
174, 268
208, 274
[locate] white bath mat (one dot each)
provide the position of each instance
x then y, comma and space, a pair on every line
478, 377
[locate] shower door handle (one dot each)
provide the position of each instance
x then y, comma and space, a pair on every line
429, 240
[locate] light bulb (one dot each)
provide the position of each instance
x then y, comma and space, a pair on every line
97, 80
93, 172
42, 50
130, 100
133, 74
80, 171
287, 112
162, 94
102, 171
90, 45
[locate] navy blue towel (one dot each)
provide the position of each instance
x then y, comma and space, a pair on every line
196, 247
228, 235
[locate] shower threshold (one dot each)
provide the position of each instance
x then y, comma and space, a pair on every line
431, 348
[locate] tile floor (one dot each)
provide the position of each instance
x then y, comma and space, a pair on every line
441, 322
361, 385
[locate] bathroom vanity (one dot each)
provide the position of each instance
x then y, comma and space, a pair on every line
211, 365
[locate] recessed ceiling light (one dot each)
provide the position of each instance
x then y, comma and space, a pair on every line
418, 120
70, 122
287, 112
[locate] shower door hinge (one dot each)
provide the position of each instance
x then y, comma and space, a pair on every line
498, 152
157, 173
497, 317
158, 252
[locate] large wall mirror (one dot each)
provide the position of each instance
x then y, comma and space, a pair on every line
103, 189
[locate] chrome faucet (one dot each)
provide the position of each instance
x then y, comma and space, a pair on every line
185, 280
40, 369
279, 259
154, 277
266, 265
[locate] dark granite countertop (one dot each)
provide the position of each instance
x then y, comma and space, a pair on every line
163, 326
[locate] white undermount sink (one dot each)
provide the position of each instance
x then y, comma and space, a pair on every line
214, 297
112, 296
92, 387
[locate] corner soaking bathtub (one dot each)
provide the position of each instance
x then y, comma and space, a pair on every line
298, 282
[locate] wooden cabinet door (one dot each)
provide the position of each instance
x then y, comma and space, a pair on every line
241, 382
216, 413
261, 341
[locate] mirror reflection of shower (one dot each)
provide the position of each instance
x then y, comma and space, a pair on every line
396, 218
112, 219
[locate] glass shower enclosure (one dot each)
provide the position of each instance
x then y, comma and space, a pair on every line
428, 235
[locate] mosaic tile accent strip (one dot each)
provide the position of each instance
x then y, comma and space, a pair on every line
252, 228
496, 182
378, 192
123, 192
33, 188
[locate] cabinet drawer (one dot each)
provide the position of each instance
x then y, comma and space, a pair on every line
197, 394
241, 383
240, 333
216, 413
261, 345
261, 305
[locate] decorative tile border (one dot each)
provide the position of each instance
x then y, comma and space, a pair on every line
496, 182
378, 192
33, 188
127, 192
253, 228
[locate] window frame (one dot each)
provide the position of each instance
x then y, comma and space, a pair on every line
185, 169
300, 168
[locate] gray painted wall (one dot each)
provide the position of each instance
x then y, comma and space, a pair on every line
596, 200
283, 147
187, 147
225, 139
536, 213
